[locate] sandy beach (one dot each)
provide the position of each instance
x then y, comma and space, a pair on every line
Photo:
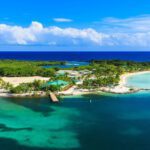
122, 88
124, 77
74, 90
32, 94
15, 81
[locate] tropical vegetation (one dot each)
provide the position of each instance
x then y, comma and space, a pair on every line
15, 68
100, 73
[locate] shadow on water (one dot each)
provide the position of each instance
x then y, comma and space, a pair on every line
10, 144
41, 105
4, 128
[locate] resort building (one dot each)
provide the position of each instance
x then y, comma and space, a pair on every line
70, 73
58, 83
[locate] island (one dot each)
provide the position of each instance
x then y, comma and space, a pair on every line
31, 78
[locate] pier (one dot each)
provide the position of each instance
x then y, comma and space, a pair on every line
53, 97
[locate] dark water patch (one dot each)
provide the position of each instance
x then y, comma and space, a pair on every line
4, 128
8, 116
41, 105
101, 127
10, 144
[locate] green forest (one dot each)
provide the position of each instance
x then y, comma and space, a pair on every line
14, 68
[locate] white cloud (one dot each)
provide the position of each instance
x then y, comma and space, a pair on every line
62, 20
110, 32
134, 31
36, 33
134, 24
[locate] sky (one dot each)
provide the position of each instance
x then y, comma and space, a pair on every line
74, 25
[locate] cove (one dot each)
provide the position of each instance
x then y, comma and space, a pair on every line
139, 80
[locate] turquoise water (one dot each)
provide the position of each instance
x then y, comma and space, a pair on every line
69, 64
109, 122
56, 83
139, 81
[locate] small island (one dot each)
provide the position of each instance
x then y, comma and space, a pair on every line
32, 78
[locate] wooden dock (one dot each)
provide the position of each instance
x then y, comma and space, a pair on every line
53, 97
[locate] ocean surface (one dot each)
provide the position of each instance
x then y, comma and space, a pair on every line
76, 56
90, 122
109, 122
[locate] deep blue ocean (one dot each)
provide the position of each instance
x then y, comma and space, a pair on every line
76, 56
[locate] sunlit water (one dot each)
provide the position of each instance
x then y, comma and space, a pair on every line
139, 81
92, 122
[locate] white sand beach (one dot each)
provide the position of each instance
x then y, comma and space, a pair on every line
4, 93
124, 77
122, 88
74, 90
117, 89
15, 81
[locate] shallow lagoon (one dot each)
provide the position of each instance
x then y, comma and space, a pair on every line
69, 64
139, 81
110, 122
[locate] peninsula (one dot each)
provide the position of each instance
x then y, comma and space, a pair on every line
32, 78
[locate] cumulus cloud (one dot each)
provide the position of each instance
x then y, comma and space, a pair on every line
109, 32
36, 33
62, 20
